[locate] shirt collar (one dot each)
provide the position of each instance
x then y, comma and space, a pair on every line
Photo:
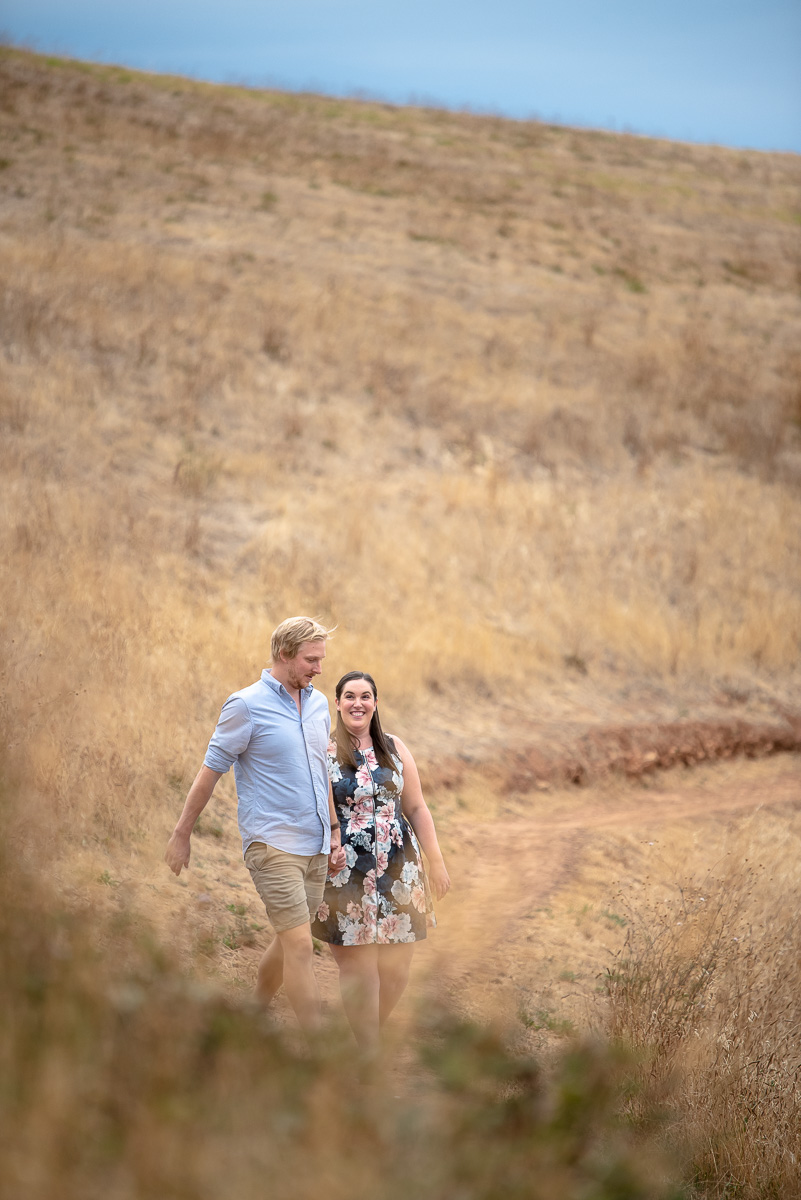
267, 677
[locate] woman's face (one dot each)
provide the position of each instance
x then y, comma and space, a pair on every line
356, 705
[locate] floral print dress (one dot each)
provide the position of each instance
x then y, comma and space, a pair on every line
381, 894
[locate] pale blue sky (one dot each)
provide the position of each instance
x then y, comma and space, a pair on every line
709, 70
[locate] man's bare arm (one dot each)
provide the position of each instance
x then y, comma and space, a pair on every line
177, 852
337, 854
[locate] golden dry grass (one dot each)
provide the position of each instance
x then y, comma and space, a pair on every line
706, 984
533, 392
662, 916
517, 406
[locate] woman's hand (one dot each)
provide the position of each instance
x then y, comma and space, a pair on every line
439, 879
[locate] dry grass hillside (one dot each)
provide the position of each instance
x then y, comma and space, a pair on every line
516, 406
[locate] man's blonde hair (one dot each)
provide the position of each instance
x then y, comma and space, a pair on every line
292, 633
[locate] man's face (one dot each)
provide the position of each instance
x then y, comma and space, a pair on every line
307, 663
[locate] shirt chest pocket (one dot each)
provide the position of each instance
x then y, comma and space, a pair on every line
316, 734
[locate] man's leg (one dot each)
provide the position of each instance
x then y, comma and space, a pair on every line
300, 984
270, 974
291, 886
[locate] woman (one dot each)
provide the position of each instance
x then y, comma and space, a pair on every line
378, 905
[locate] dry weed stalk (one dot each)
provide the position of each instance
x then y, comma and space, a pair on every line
707, 986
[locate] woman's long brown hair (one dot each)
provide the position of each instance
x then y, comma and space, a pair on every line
383, 745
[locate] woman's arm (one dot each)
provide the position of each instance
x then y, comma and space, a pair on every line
419, 817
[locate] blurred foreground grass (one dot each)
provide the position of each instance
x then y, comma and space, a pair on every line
122, 1078
126, 1075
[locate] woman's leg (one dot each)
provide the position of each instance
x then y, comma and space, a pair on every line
358, 983
394, 962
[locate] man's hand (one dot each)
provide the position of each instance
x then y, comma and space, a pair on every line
177, 853
336, 855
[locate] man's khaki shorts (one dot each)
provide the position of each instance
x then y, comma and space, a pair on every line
291, 885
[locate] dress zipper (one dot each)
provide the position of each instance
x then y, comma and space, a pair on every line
375, 838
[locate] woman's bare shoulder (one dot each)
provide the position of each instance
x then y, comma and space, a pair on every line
400, 745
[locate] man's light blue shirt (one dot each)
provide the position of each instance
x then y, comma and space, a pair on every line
279, 760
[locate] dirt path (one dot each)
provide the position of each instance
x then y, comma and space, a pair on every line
509, 863
512, 868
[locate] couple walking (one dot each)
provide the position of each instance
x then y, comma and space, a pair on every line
331, 831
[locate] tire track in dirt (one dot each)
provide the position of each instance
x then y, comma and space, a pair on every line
509, 868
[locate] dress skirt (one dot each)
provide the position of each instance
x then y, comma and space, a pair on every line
381, 895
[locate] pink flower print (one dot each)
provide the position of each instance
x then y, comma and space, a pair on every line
383, 824
369, 884
370, 916
356, 934
386, 928
358, 820
381, 862
419, 897
354, 910
397, 927
323, 912
363, 776
396, 834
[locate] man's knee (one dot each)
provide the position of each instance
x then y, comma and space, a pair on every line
296, 943
275, 948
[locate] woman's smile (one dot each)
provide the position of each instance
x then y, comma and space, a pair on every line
356, 706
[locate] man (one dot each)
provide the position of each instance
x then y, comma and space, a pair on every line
275, 734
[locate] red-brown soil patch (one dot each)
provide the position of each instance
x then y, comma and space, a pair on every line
631, 750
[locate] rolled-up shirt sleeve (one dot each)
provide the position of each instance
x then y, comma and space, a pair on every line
231, 737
